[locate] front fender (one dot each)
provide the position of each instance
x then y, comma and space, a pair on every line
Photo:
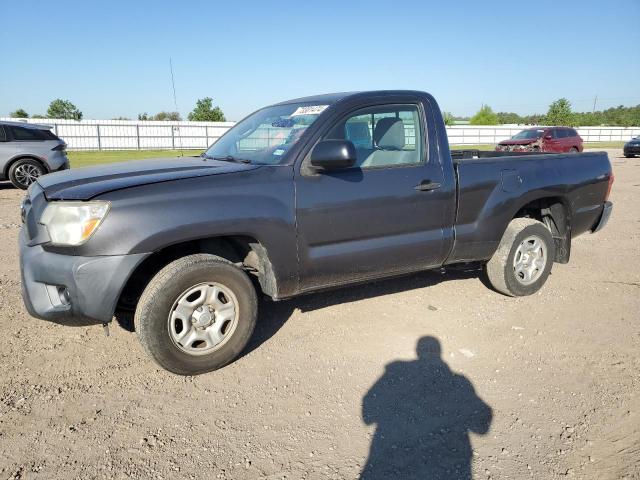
257, 203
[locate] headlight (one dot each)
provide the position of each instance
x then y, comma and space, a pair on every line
73, 223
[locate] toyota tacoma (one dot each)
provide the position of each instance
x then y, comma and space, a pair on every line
305, 195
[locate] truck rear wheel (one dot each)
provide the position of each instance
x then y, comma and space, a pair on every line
197, 314
524, 258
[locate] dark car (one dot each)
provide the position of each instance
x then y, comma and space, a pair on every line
543, 139
632, 147
369, 189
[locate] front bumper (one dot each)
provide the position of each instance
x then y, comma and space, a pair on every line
72, 289
604, 217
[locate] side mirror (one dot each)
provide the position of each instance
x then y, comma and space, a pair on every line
333, 154
548, 137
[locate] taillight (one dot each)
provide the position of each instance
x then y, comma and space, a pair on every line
60, 148
611, 178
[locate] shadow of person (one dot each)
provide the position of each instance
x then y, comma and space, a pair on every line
423, 414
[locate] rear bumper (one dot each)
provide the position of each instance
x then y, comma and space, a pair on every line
604, 217
71, 289
57, 161
64, 166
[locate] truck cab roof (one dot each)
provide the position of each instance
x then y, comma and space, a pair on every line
330, 98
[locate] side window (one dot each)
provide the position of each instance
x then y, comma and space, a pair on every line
572, 133
3, 135
555, 133
22, 134
385, 135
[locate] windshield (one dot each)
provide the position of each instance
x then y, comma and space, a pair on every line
528, 134
267, 135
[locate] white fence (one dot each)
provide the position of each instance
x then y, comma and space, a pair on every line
134, 135
157, 135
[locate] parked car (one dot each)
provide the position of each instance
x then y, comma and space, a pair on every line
188, 244
632, 147
28, 151
550, 139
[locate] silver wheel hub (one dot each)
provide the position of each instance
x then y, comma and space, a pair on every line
26, 174
529, 260
203, 318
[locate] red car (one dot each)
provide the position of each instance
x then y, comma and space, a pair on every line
543, 139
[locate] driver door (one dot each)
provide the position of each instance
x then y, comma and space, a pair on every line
374, 219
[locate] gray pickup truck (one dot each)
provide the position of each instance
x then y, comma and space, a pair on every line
304, 195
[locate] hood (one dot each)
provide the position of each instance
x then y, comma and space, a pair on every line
524, 141
88, 182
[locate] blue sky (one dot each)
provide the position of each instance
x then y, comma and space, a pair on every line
111, 58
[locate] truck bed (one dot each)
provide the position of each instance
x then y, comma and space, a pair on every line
493, 186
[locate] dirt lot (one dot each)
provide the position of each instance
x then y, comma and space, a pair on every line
540, 387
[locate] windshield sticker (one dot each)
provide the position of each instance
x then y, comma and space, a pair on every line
310, 110
278, 152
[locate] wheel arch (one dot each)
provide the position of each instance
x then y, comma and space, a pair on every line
11, 162
244, 251
555, 213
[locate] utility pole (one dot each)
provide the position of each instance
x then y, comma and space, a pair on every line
595, 100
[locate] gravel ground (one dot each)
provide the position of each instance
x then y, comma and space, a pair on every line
430, 376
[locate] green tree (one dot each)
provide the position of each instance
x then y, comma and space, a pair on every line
627, 121
38, 115
560, 113
143, 116
484, 116
63, 109
168, 116
206, 112
509, 117
121, 118
19, 113
449, 119
535, 119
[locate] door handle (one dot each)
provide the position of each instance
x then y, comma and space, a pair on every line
427, 185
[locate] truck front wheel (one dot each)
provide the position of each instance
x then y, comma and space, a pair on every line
197, 314
524, 258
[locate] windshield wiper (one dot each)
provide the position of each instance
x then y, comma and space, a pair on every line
228, 158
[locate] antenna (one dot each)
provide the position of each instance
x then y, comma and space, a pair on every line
175, 104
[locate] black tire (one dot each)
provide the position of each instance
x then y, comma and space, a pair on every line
24, 172
159, 297
574, 150
501, 270
629, 156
